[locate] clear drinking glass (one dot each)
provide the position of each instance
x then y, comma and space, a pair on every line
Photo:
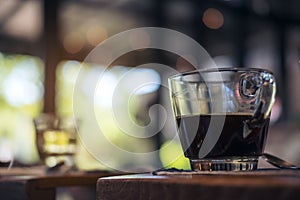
222, 116
56, 139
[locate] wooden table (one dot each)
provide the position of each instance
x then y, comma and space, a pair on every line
270, 184
45, 186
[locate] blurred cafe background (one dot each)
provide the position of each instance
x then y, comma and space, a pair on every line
43, 44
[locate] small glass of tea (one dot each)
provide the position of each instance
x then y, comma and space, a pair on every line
56, 139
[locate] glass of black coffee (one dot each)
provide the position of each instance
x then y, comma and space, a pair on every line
222, 116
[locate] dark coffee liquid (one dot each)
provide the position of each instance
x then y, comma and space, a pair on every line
241, 135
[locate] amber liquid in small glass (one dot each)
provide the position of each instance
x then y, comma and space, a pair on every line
55, 144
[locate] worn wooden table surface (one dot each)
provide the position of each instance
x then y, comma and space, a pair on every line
33, 186
271, 184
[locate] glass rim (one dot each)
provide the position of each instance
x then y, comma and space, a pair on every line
220, 69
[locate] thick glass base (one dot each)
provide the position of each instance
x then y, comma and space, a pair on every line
225, 164
52, 161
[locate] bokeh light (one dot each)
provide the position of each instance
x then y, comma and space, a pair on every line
73, 42
96, 34
20, 87
213, 18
